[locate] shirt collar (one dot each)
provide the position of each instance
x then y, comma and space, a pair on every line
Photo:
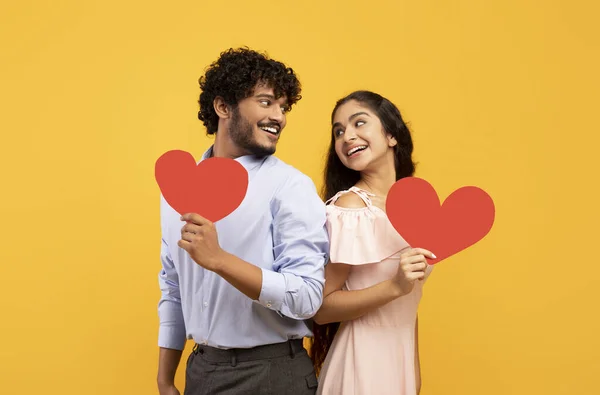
249, 162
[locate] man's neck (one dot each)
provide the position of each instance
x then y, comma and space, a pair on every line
224, 148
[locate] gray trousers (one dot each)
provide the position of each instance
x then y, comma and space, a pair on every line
275, 369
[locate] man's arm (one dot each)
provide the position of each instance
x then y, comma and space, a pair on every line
168, 361
246, 277
294, 287
300, 247
171, 334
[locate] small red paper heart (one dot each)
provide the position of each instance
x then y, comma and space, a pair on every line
466, 216
213, 189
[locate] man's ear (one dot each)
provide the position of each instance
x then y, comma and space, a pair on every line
222, 109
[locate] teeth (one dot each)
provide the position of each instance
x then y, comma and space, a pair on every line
269, 129
353, 150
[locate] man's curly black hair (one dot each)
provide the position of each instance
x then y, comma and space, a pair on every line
234, 76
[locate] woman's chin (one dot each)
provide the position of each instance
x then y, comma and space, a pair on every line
357, 167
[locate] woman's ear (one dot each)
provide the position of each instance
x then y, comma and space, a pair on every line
391, 141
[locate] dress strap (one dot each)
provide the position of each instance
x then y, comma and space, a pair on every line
364, 195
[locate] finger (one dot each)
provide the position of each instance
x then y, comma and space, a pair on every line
425, 252
189, 237
411, 260
184, 232
418, 251
408, 252
413, 276
415, 267
195, 218
186, 245
191, 228
419, 267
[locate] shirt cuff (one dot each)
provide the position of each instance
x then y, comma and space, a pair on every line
171, 337
171, 331
272, 292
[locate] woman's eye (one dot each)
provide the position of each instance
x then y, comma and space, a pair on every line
360, 123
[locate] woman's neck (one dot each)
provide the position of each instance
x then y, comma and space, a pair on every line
379, 180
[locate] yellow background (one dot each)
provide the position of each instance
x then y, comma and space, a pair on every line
502, 95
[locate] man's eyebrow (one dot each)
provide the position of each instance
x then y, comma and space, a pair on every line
267, 95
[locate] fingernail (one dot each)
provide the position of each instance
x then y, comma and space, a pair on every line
433, 255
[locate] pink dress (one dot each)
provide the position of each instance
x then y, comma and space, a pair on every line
374, 354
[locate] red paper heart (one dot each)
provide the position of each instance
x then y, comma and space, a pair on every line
213, 189
414, 209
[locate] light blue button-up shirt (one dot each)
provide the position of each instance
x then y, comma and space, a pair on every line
279, 227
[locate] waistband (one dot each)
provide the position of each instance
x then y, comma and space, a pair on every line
234, 355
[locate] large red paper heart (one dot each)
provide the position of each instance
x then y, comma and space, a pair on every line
414, 209
213, 189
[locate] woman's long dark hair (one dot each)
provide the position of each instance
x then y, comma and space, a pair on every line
338, 178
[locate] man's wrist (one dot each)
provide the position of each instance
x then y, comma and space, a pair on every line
220, 263
165, 382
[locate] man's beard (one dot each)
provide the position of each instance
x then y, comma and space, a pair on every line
242, 134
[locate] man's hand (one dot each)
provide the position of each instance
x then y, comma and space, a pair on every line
199, 238
168, 390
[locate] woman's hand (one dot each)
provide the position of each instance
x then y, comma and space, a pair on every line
413, 264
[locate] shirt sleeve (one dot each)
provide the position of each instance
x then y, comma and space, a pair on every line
294, 287
171, 333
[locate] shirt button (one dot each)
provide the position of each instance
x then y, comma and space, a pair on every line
205, 304
268, 304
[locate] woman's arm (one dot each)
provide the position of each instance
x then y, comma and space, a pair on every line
341, 305
417, 360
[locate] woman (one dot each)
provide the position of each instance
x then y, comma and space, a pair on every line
366, 330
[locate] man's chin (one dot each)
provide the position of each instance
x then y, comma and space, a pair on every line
262, 150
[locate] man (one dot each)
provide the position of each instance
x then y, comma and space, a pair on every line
243, 289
